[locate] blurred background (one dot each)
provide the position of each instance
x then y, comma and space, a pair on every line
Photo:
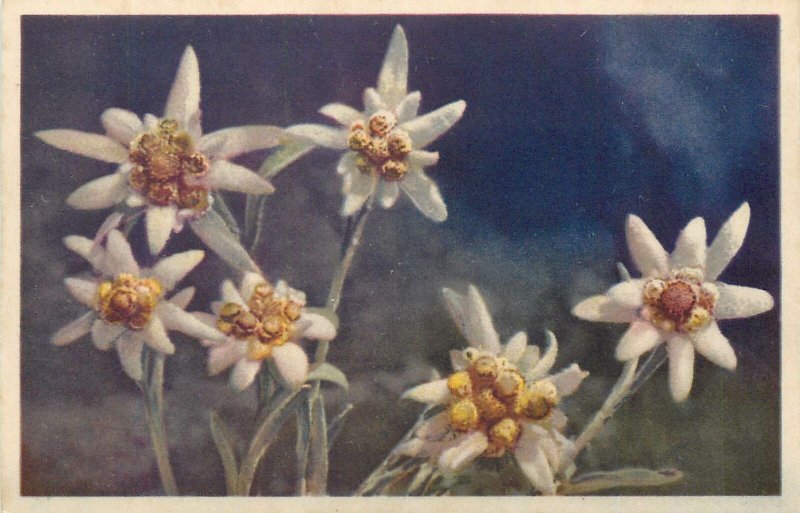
572, 122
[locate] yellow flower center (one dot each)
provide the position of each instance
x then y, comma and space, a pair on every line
381, 147
491, 395
128, 300
266, 322
167, 170
682, 303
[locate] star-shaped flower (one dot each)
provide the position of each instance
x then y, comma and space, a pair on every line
499, 399
167, 165
262, 322
128, 304
678, 298
385, 142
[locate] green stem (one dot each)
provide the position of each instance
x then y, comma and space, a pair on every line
154, 406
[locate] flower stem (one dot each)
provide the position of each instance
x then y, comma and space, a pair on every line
154, 406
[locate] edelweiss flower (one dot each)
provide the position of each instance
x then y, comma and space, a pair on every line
128, 304
385, 141
262, 322
166, 164
678, 299
499, 399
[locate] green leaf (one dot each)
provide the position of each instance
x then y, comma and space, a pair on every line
337, 423
328, 372
221, 207
223, 439
302, 445
215, 234
317, 477
282, 157
626, 477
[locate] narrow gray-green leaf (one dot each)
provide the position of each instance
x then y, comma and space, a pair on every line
302, 445
317, 477
224, 441
328, 372
337, 423
282, 157
215, 234
424, 473
221, 207
626, 477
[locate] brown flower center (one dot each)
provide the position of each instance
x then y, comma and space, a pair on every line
683, 303
128, 300
167, 170
381, 148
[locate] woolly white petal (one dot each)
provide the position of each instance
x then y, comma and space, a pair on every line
155, 336
712, 344
408, 107
516, 346
346, 166
159, 222
548, 359
387, 193
727, 242
427, 128
529, 359
647, 253
533, 463
373, 101
232, 142
175, 318
690, 249
120, 256
105, 334
292, 363
230, 294
233, 177
129, 349
393, 78
628, 294
100, 193
603, 309
568, 380
121, 125
735, 301
224, 355
480, 329
183, 102
640, 338
183, 298
321, 135
423, 158
362, 186
433, 392
316, 326
249, 283
95, 146
172, 269
84, 291
341, 113
457, 360
74, 330
681, 366
467, 448
244, 372
424, 194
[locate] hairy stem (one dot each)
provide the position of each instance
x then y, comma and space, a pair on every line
154, 406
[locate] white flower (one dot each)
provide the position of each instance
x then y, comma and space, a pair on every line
499, 399
166, 165
678, 299
128, 303
262, 322
385, 141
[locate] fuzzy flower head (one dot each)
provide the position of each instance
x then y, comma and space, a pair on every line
128, 304
498, 400
166, 165
262, 322
384, 143
678, 299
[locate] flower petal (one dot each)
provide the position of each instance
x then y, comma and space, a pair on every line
372, 101
529, 359
224, 355
292, 363
727, 242
346, 166
321, 135
690, 249
434, 428
362, 186
429, 127
84, 291
159, 221
120, 256
640, 338
316, 326
603, 309
104, 334
155, 336
249, 283
230, 294
647, 253
433, 392
457, 360
74, 330
424, 194
183, 102
233, 177
231, 142
533, 462
121, 125
387, 193
175, 318
480, 329
393, 78
712, 344
516, 346
628, 294
568, 380
735, 302
681, 366
467, 448
244, 372
408, 107
183, 298
102, 192
129, 349
548, 359
214, 233
341, 113
94, 146
86, 248
172, 269
423, 158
